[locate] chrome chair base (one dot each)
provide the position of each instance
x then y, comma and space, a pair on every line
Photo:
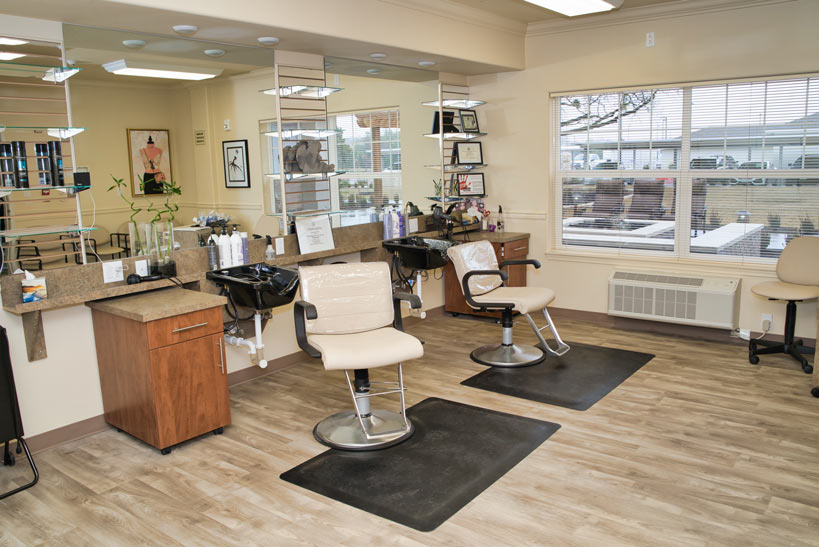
509, 356
343, 431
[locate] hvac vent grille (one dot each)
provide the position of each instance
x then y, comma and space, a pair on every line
651, 301
199, 137
663, 279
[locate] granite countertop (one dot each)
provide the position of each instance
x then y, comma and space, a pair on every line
492, 237
158, 304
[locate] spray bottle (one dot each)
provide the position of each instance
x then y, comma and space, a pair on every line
269, 253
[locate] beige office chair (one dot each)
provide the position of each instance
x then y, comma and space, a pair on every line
482, 284
798, 273
350, 318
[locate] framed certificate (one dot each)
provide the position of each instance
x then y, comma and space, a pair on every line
466, 153
469, 121
471, 184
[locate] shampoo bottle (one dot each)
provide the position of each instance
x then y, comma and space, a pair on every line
235, 248
245, 249
269, 253
224, 249
213, 254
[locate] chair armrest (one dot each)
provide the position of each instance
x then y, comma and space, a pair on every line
397, 298
483, 305
300, 310
520, 261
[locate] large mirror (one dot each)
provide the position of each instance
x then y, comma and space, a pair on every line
142, 127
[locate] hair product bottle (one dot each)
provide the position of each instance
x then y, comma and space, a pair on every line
18, 150
55, 154
7, 165
43, 164
224, 249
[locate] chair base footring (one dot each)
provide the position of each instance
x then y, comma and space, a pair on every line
511, 355
343, 430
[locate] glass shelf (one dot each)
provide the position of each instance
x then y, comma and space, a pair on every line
455, 199
457, 167
56, 132
43, 230
292, 134
456, 136
56, 74
303, 91
4, 191
305, 177
455, 103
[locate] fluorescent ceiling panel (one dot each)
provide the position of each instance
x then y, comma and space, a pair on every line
11, 41
573, 8
8, 56
151, 70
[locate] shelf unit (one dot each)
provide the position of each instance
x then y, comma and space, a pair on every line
35, 109
301, 120
452, 98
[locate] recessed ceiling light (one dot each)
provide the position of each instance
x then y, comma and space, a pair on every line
577, 7
11, 42
378, 56
133, 43
155, 70
426, 63
8, 56
214, 52
187, 30
268, 40
373, 71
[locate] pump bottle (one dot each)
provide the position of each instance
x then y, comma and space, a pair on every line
224, 249
235, 248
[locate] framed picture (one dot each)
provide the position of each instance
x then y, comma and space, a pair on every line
449, 122
237, 166
149, 157
471, 184
466, 153
469, 121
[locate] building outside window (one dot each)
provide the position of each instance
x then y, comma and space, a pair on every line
720, 170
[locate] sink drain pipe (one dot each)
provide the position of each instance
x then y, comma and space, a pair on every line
254, 349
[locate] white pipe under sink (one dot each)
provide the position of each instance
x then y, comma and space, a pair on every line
254, 349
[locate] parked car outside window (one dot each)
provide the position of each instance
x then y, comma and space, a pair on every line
754, 180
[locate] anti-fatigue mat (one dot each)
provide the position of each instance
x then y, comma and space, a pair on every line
456, 452
576, 380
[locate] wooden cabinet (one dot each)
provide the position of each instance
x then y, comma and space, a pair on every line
163, 381
454, 301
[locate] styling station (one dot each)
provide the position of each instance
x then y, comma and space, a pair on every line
454, 273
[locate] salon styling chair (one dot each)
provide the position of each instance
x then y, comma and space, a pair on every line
798, 273
350, 318
484, 289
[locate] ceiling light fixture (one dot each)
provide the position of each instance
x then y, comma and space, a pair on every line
268, 40
152, 70
133, 43
11, 41
378, 56
214, 52
426, 63
573, 8
185, 30
8, 56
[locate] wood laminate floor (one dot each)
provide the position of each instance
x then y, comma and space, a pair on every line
697, 448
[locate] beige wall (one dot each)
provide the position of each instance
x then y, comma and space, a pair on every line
772, 39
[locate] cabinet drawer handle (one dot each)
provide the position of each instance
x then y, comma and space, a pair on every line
180, 329
221, 356
519, 249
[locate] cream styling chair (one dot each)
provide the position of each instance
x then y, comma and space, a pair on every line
483, 286
350, 318
798, 273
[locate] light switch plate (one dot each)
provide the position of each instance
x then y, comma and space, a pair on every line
279, 245
112, 271
141, 267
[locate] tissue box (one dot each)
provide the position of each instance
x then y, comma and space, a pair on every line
34, 290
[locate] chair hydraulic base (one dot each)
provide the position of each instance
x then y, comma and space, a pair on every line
792, 347
513, 355
343, 430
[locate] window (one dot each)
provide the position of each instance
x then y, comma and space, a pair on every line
366, 147
695, 171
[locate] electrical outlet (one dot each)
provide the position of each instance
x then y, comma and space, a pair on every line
767, 322
649, 39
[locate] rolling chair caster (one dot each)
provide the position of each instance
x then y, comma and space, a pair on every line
815, 392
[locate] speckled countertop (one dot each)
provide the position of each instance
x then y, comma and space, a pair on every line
158, 304
492, 237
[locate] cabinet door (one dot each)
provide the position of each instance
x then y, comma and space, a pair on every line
515, 250
190, 386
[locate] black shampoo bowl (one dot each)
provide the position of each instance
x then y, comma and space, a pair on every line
420, 253
258, 286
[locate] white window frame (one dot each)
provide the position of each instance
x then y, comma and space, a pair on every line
683, 180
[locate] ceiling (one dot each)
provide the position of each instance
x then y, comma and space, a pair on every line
520, 10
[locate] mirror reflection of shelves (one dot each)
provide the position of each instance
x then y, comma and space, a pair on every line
40, 212
454, 136
457, 167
